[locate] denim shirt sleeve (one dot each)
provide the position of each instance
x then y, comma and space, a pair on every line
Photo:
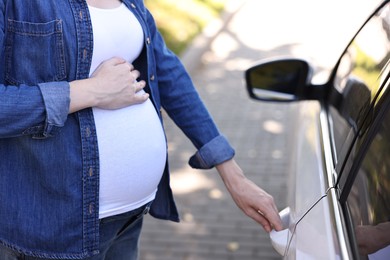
30, 110
33, 110
214, 152
183, 104
56, 99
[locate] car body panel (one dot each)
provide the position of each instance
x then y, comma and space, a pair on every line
310, 209
341, 172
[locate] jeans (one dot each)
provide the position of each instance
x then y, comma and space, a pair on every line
119, 238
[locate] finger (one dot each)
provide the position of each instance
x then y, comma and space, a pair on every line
141, 98
135, 74
274, 219
139, 85
269, 211
261, 219
130, 66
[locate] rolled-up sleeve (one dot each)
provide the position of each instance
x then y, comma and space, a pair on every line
213, 153
33, 110
56, 99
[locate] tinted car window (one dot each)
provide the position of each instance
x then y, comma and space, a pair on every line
368, 202
359, 76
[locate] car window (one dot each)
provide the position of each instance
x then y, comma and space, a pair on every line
360, 74
368, 202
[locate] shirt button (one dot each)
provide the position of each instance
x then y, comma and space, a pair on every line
133, 5
152, 77
88, 132
91, 208
148, 41
90, 172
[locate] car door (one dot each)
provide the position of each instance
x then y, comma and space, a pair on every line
354, 132
340, 184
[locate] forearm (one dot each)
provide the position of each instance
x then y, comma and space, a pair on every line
230, 173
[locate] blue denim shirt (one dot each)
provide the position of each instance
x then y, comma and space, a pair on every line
49, 166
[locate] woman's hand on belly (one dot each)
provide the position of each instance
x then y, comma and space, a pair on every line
113, 85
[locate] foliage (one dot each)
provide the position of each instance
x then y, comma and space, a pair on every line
181, 21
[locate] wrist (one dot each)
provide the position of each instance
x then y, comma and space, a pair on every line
230, 172
80, 95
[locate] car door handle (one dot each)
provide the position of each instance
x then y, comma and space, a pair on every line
280, 239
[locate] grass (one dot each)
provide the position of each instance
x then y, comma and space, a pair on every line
180, 21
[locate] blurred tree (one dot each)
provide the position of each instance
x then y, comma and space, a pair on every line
181, 21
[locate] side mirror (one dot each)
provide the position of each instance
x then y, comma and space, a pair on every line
278, 80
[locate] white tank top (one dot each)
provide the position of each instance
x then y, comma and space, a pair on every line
132, 146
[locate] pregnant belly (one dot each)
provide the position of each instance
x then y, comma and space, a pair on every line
132, 156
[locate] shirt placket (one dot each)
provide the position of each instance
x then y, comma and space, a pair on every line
90, 154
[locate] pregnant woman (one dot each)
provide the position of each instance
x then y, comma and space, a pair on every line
83, 151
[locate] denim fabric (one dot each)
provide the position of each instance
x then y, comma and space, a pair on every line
49, 167
119, 238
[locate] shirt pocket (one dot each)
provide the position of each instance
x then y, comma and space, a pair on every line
34, 52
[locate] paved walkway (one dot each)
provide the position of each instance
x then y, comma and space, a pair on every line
212, 227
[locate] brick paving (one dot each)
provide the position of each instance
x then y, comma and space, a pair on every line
212, 227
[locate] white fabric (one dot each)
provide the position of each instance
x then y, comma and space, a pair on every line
132, 146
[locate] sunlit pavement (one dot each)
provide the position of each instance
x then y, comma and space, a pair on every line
212, 227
